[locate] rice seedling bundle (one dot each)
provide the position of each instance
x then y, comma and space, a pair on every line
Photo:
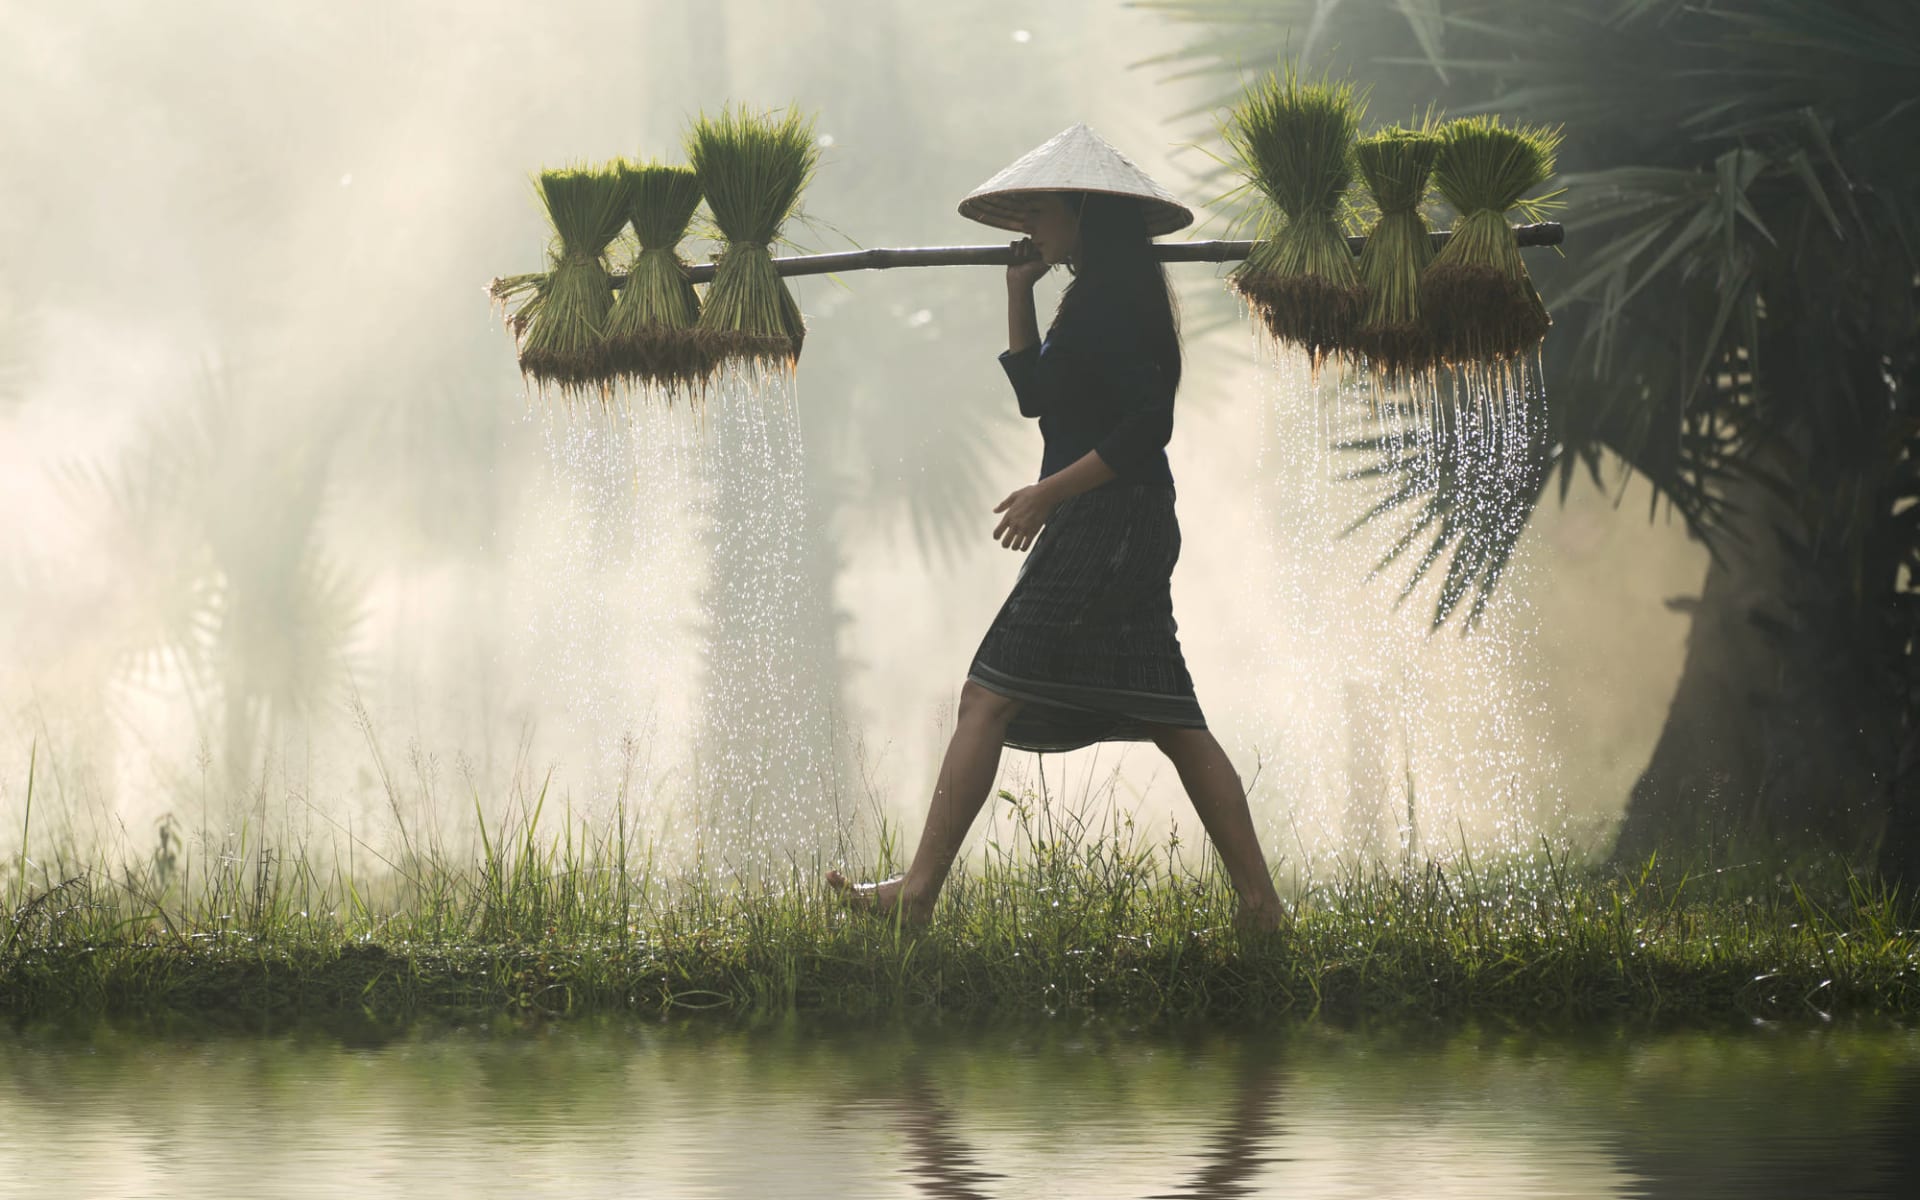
1295, 143
1397, 165
650, 332
1476, 295
751, 169
565, 320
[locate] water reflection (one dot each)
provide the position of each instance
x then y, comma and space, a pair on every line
1896, 1140
708, 1110
940, 1163
1236, 1152
944, 1165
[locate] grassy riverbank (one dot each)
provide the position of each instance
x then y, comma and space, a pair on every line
1080, 922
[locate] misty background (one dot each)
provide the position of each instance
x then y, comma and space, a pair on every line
285, 534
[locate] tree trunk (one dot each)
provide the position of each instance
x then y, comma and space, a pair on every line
1781, 739
1900, 850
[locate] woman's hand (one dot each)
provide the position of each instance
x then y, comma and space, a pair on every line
1027, 266
1026, 511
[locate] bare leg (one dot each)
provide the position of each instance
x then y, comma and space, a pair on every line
1221, 802
966, 776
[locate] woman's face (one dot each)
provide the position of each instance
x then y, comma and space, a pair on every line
1053, 225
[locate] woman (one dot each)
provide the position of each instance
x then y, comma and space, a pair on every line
1085, 647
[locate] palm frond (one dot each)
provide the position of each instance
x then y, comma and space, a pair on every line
1746, 203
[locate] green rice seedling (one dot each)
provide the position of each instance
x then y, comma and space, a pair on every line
1295, 143
518, 297
650, 330
1476, 295
565, 326
1397, 165
752, 169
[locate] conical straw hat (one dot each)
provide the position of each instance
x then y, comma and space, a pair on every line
1074, 160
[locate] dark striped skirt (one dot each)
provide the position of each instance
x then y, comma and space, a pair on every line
1086, 640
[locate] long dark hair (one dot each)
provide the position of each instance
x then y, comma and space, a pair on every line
1118, 281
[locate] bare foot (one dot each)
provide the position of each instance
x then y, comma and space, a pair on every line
1258, 918
881, 899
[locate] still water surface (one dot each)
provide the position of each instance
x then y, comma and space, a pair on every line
630, 1109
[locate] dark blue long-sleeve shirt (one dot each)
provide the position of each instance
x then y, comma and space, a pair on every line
1095, 385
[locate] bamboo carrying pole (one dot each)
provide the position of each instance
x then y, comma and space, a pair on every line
1546, 233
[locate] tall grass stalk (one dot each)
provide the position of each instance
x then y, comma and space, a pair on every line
1066, 912
26, 821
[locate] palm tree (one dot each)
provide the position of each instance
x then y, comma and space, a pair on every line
1735, 323
216, 517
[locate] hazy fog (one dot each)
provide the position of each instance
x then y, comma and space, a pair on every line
264, 449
